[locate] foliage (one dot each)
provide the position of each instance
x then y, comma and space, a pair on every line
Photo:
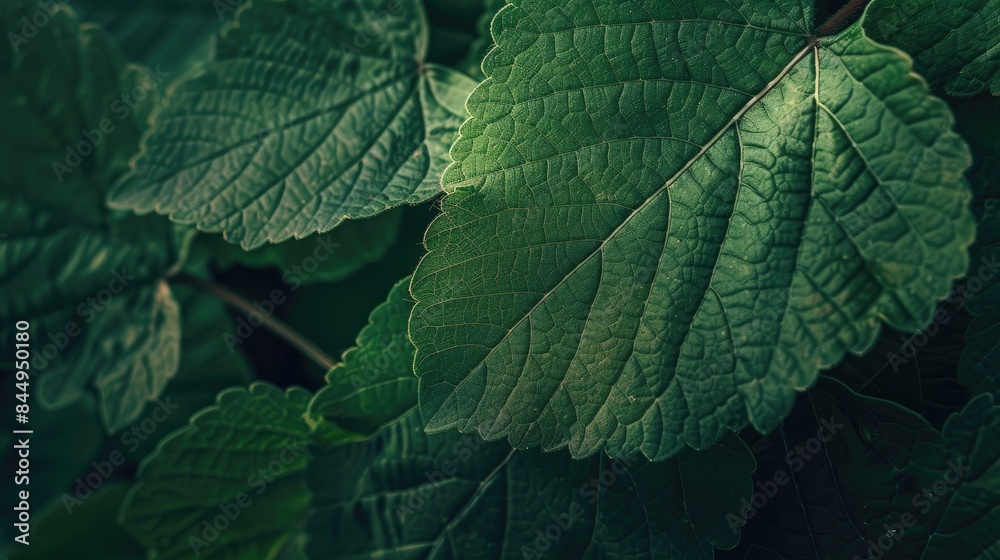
698, 279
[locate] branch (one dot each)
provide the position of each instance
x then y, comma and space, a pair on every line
838, 19
271, 323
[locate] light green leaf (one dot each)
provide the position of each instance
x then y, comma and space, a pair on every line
954, 44
695, 206
61, 90
320, 258
410, 495
315, 111
246, 454
374, 384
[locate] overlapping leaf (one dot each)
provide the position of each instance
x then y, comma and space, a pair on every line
245, 455
865, 478
71, 136
315, 111
954, 44
452, 496
695, 206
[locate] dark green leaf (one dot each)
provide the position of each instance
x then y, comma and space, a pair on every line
409, 495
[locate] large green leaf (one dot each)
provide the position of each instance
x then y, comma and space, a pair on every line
241, 459
406, 494
102, 313
315, 111
848, 495
695, 205
954, 44
374, 384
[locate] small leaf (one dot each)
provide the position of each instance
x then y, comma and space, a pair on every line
374, 384
314, 111
954, 44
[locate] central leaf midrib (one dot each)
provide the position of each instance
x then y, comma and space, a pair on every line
810, 46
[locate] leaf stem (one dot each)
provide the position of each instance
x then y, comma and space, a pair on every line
271, 323
838, 19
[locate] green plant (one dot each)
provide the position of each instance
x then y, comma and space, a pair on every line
698, 279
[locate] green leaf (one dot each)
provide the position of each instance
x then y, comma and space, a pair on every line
306, 118
374, 384
917, 371
102, 313
969, 527
473, 62
324, 258
978, 120
408, 494
246, 455
954, 44
749, 208
64, 443
850, 493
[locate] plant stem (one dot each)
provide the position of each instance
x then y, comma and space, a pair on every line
838, 19
271, 323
